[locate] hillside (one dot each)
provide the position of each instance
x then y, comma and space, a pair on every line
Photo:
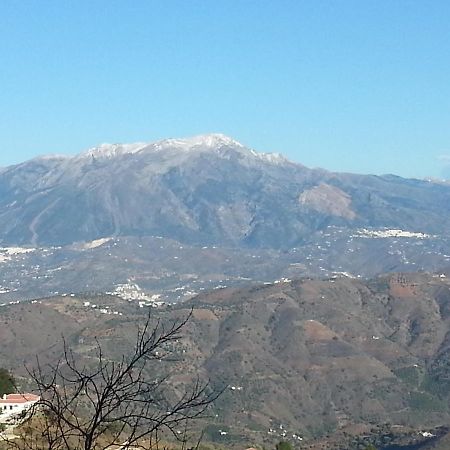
305, 358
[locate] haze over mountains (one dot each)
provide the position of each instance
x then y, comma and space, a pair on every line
211, 203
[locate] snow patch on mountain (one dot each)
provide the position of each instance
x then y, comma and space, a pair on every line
96, 243
51, 157
8, 253
215, 140
273, 158
387, 233
106, 151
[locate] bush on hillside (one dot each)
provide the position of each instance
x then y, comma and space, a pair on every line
6, 382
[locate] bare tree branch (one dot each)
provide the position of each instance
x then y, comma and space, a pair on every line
86, 407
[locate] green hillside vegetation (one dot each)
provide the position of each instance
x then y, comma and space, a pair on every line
7, 383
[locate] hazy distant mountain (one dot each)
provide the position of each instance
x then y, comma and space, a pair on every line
203, 190
183, 215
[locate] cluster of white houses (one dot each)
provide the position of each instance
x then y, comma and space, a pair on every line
14, 404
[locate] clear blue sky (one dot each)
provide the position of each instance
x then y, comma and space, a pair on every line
361, 86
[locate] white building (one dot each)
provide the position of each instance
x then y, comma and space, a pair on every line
13, 404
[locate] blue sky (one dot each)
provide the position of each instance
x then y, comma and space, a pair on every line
359, 86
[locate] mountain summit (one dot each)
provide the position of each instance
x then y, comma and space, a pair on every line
215, 142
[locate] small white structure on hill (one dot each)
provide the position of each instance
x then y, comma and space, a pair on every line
14, 404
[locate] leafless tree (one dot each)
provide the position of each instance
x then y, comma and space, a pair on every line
113, 404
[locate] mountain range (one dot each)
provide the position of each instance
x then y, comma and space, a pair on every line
203, 190
211, 203
285, 267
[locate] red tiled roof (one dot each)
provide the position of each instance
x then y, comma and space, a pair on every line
19, 398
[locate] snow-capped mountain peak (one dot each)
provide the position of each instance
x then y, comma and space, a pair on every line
205, 141
112, 150
213, 140
219, 143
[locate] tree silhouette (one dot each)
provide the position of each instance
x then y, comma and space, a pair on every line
7, 382
112, 402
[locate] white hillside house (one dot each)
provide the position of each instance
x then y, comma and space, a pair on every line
14, 404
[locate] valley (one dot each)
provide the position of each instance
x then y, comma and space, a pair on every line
171, 271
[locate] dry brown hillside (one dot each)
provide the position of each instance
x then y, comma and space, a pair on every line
300, 359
